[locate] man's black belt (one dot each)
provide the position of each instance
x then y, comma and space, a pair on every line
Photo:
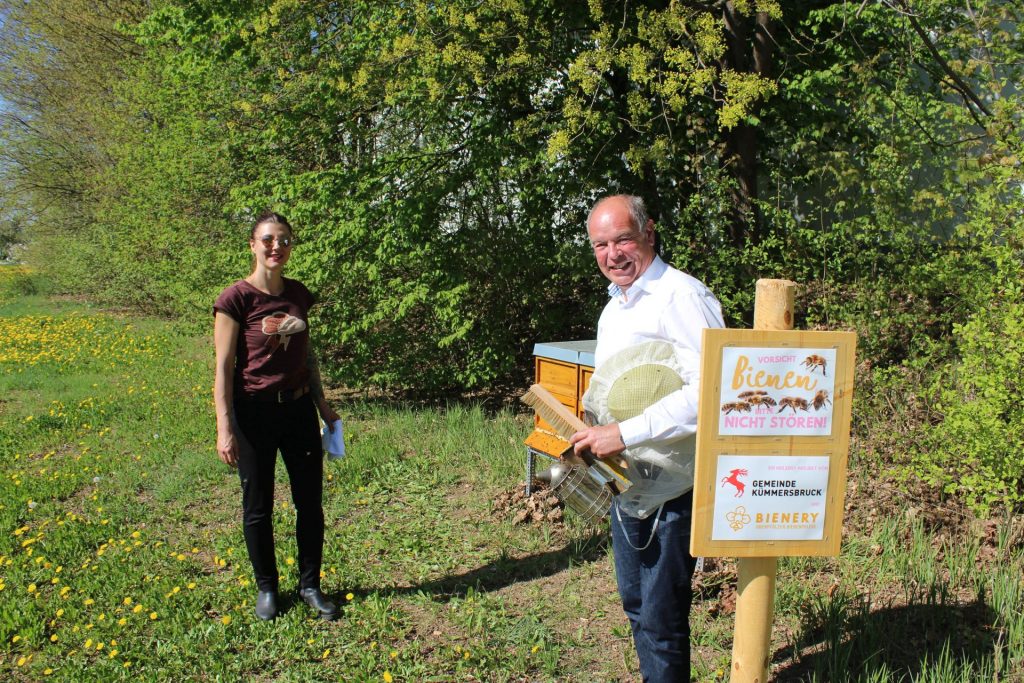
285, 396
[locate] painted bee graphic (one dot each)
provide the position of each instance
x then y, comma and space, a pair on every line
736, 406
815, 361
820, 399
793, 402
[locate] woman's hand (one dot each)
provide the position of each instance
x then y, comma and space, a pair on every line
227, 447
327, 414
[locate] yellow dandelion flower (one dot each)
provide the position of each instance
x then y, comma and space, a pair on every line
89, 601
326, 652
534, 649
290, 561
191, 585
349, 597
226, 619
394, 655
112, 654
122, 621
99, 646
388, 678
137, 609
31, 588
127, 601
47, 671
22, 660
152, 616
465, 655
15, 639
53, 638
60, 612
88, 644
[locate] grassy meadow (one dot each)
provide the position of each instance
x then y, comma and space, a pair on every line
122, 558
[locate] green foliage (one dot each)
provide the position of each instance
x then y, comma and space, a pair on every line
438, 160
975, 451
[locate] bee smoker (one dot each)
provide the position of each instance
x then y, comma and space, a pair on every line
579, 490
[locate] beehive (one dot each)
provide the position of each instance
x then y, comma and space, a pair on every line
564, 369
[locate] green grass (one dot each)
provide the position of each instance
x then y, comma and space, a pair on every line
121, 554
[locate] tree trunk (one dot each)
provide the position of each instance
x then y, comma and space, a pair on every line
741, 143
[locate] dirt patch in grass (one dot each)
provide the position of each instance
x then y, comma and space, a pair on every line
540, 507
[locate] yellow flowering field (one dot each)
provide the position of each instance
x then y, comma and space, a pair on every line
69, 343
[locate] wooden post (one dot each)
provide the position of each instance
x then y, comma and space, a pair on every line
755, 604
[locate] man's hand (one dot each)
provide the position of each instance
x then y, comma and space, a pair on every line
602, 442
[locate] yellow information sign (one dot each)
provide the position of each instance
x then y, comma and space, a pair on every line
772, 441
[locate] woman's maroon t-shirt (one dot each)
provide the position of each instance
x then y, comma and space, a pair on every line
274, 336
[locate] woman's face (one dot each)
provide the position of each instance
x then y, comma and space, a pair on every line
271, 244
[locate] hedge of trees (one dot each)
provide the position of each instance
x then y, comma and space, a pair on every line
438, 160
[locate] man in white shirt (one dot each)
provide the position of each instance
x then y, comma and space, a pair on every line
651, 301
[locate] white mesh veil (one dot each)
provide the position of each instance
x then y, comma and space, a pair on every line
626, 384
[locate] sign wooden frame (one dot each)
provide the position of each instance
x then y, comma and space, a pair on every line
712, 445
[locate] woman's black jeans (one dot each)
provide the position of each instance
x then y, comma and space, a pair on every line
292, 428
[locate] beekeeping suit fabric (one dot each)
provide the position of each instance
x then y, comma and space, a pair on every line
621, 388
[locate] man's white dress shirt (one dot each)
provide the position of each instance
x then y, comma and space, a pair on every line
668, 305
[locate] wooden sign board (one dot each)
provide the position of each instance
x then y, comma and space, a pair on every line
773, 435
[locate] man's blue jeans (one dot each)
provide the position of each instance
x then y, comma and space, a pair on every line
654, 584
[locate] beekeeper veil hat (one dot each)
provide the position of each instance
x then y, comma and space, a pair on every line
625, 385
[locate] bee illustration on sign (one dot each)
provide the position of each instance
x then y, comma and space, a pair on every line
793, 402
736, 407
762, 399
768, 391
815, 361
820, 399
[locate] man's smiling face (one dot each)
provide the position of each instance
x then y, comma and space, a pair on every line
623, 251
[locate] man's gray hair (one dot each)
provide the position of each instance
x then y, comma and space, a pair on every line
637, 210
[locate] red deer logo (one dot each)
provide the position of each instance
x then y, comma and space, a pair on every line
734, 479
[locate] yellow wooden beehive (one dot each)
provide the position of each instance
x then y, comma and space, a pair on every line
564, 369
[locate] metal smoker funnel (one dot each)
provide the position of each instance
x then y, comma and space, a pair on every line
578, 490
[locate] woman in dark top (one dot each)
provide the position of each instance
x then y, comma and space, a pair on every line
267, 392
